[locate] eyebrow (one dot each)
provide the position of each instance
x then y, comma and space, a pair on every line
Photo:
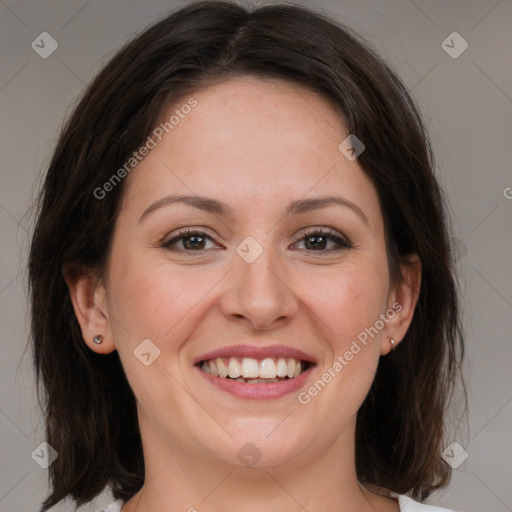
216, 207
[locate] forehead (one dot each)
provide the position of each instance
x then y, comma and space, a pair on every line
252, 142
251, 114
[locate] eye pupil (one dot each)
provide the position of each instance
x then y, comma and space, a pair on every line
187, 240
316, 237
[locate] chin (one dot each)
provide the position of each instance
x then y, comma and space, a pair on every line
258, 443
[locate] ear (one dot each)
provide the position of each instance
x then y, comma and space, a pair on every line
402, 303
89, 302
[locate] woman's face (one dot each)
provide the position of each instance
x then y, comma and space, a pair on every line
257, 288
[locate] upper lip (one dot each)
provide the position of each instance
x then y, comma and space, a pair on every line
259, 352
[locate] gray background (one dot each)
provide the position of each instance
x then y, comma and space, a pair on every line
467, 104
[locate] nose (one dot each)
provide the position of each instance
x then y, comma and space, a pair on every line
259, 294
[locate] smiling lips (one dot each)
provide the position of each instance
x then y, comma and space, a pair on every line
251, 370
254, 365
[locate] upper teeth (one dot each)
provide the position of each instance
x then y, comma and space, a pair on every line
250, 368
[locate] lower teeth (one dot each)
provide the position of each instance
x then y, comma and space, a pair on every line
258, 381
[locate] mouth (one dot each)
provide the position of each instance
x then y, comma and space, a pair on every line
256, 372
249, 370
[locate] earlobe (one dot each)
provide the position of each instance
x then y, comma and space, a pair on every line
88, 297
403, 300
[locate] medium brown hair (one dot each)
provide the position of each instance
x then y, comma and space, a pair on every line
89, 407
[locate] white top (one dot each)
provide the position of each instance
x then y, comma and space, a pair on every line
406, 505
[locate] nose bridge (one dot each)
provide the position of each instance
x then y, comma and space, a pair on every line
259, 290
262, 274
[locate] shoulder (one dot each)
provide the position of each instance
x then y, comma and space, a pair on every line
409, 505
114, 507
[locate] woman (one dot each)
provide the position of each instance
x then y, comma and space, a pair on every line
241, 282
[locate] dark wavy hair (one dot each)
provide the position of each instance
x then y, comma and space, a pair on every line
89, 408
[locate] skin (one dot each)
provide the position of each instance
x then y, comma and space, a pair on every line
256, 145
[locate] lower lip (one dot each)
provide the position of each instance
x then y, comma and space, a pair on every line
257, 391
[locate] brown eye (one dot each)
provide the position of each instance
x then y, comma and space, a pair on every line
318, 240
192, 241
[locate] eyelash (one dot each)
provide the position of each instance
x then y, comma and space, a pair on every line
187, 233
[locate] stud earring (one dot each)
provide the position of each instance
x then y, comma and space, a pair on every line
392, 341
98, 339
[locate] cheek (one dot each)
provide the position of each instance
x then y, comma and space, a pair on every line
148, 301
152, 299
143, 301
348, 301
347, 307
